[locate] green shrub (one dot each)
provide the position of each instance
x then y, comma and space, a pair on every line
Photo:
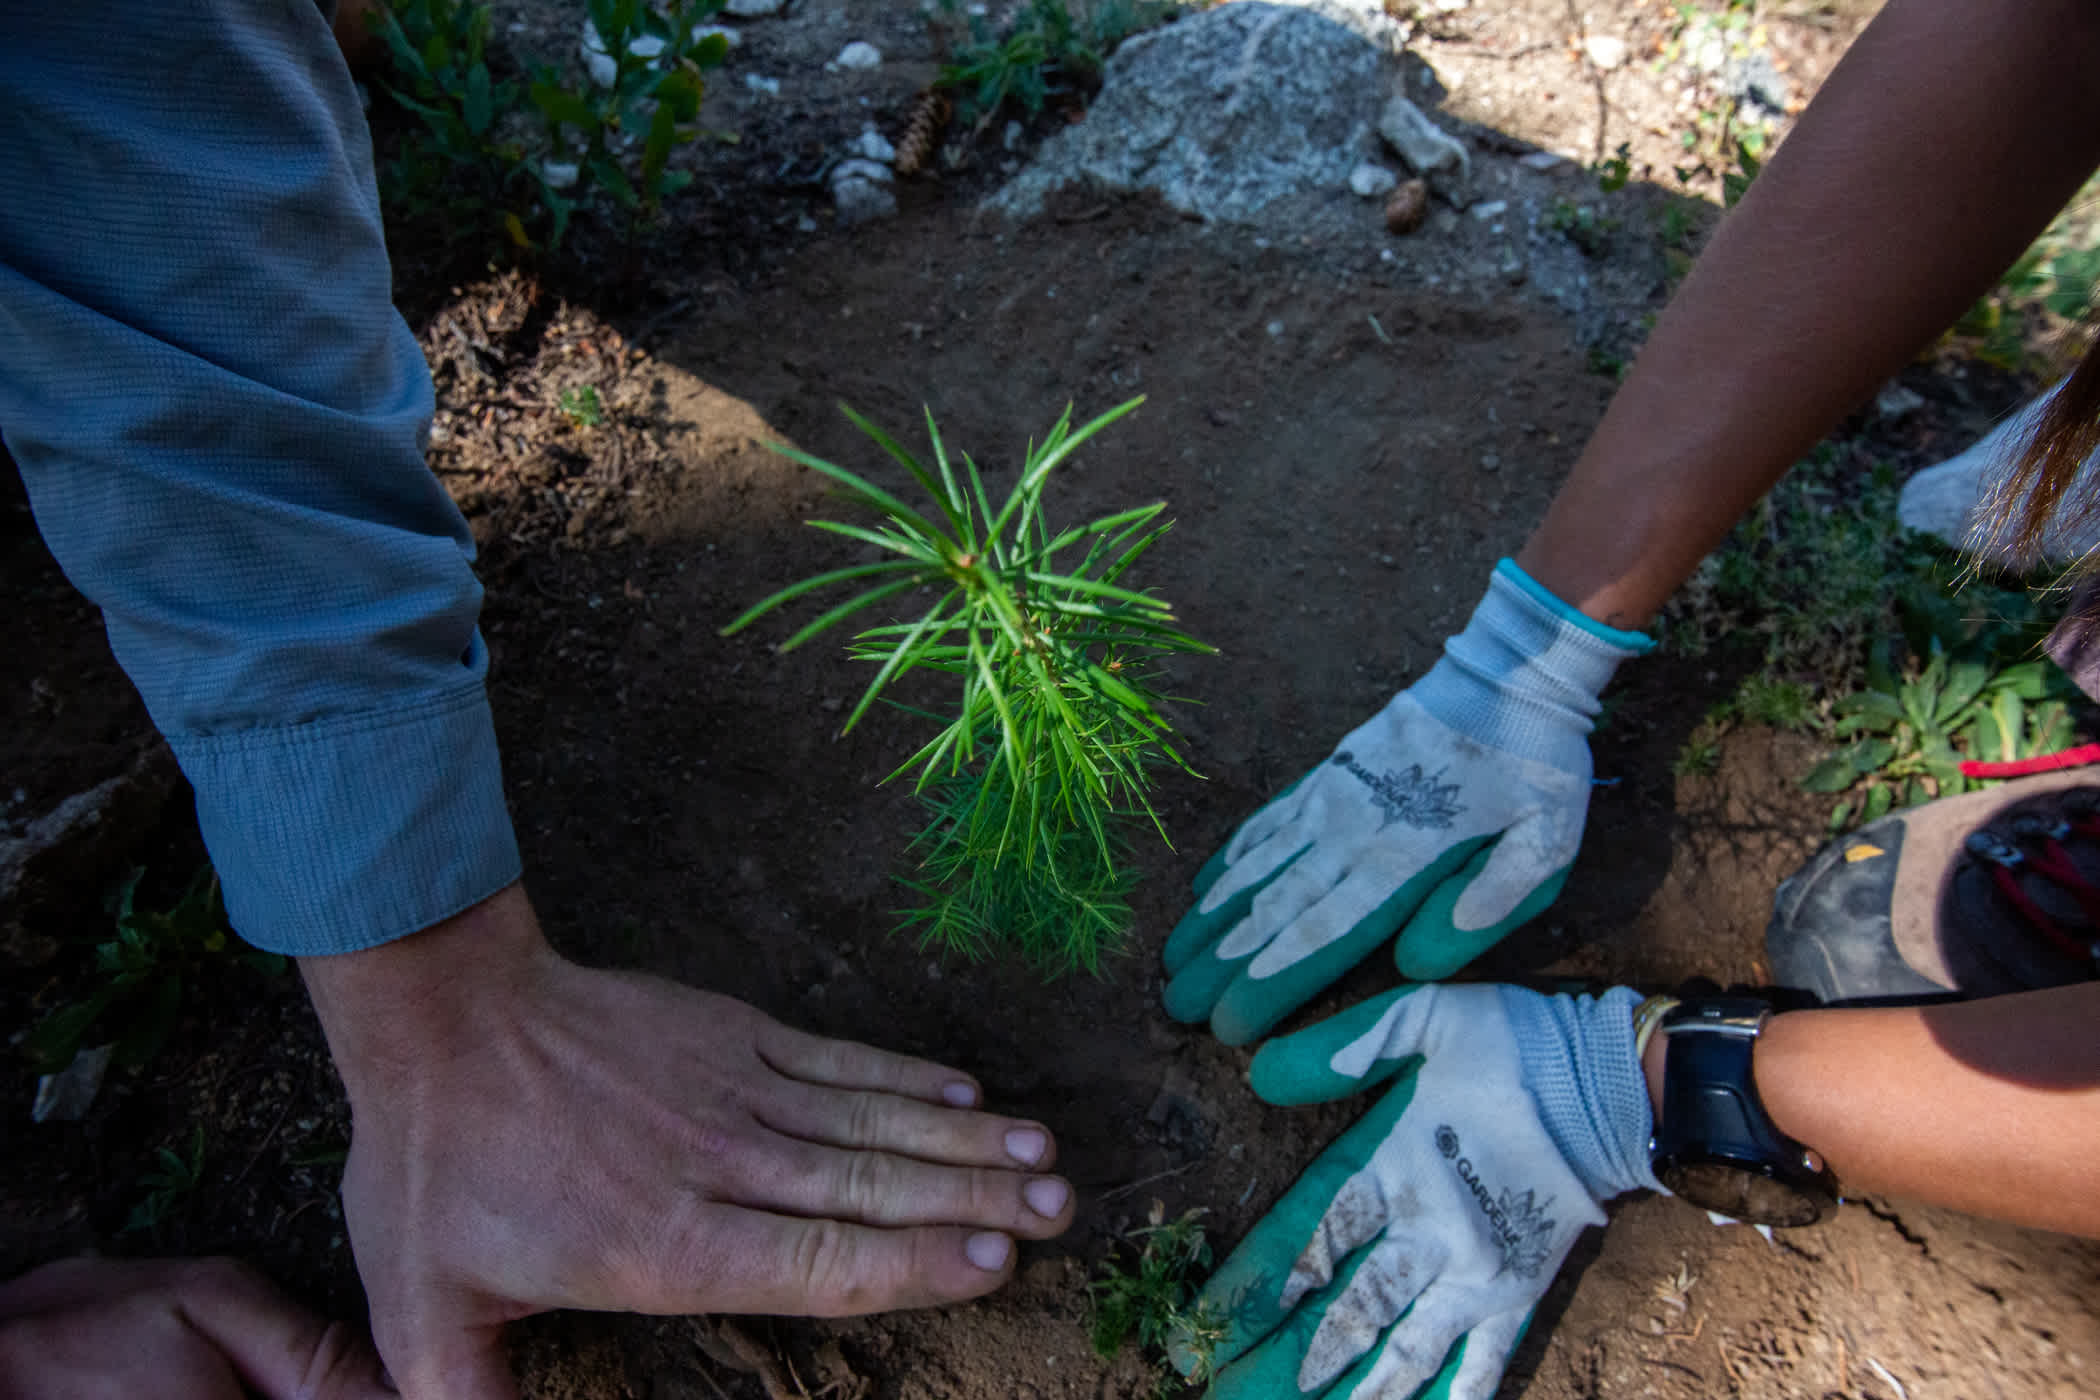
466, 167
142, 973
1047, 50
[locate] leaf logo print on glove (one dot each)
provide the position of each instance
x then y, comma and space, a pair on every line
1412, 797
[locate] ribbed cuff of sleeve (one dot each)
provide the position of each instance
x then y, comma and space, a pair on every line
1525, 674
346, 833
1580, 1066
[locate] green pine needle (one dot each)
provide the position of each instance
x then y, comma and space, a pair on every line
1054, 729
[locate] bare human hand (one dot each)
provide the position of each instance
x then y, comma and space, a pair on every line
530, 1134
175, 1329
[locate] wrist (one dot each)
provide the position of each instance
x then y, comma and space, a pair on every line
392, 1011
1653, 1055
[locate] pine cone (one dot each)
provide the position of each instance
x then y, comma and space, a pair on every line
922, 135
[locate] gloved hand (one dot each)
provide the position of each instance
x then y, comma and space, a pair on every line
1445, 1212
1452, 816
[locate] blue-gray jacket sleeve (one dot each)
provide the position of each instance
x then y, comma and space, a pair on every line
220, 420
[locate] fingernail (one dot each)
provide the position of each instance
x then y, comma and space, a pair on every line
959, 1095
988, 1250
1046, 1196
1027, 1145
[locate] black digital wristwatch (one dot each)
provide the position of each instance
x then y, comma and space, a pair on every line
1714, 1146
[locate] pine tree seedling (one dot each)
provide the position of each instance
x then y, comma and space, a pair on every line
1048, 749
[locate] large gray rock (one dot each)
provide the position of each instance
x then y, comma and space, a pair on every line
1224, 114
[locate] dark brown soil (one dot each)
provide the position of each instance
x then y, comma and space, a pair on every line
1342, 489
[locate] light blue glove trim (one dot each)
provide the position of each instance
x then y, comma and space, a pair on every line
1522, 677
1639, 643
1580, 1066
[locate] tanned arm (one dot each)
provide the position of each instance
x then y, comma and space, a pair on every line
1939, 148
1990, 1107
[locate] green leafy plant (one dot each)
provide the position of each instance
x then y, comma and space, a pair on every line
1144, 1291
1580, 225
1773, 701
1736, 183
1049, 744
455, 170
2049, 290
1810, 576
1616, 171
1675, 229
466, 168
582, 406
1700, 754
1962, 692
173, 1178
1046, 50
141, 975
658, 55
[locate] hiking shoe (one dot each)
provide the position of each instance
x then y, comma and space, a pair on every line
1978, 895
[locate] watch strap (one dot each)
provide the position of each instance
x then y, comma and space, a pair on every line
1712, 1117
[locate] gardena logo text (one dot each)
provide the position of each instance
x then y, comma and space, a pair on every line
1518, 1222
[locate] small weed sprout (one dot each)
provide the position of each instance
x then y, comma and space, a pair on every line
1143, 1291
582, 406
1581, 225
1700, 755
1616, 172
171, 1181
142, 973
1049, 746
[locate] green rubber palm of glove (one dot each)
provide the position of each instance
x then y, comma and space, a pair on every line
1450, 818
1406, 1261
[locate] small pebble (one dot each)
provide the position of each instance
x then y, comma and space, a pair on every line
1605, 51
1407, 206
871, 145
1370, 180
858, 56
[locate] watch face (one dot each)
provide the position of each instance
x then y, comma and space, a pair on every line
1741, 1194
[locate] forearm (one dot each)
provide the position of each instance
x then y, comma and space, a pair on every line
1936, 151
218, 416
1990, 1107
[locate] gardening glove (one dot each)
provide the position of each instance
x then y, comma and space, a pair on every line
1452, 816
1442, 1216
